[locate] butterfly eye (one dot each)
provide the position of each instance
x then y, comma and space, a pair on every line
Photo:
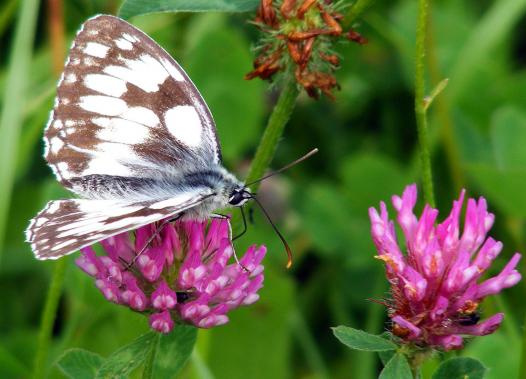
238, 198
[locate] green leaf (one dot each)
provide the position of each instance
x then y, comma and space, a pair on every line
137, 7
460, 368
396, 368
236, 104
509, 138
80, 363
122, 362
360, 340
385, 356
174, 351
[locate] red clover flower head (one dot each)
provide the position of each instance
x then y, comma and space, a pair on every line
183, 276
436, 287
298, 36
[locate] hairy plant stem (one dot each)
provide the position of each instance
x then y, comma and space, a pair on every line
420, 108
147, 372
269, 141
274, 130
48, 318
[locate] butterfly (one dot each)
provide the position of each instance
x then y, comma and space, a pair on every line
132, 136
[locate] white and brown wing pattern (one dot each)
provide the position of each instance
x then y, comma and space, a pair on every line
64, 226
125, 108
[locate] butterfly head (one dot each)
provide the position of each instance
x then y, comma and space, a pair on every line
239, 196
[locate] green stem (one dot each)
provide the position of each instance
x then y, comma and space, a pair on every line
48, 318
420, 109
269, 141
274, 130
147, 372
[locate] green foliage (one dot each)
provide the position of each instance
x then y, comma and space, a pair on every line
360, 340
396, 368
460, 368
169, 354
368, 152
174, 351
122, 362
80, 364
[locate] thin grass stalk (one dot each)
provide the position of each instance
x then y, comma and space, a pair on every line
11, 114
420, 108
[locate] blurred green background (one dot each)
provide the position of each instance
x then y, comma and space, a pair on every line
368, 151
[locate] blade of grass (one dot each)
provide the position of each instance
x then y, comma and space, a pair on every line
12, 110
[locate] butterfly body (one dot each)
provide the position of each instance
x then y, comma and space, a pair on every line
131, 135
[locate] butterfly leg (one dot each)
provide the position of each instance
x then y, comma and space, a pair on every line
244, 224
219, 216
223, 217
150, 240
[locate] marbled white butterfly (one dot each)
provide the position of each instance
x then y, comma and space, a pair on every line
132, 136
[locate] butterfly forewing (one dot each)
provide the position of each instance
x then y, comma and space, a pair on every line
125, 109
130, 133
65, 226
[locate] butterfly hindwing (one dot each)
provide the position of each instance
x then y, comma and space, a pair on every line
64, 226
125, 108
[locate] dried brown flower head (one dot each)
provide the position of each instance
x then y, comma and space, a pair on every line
298, 35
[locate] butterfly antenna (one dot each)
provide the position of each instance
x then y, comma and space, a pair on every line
285, 244
293, 163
